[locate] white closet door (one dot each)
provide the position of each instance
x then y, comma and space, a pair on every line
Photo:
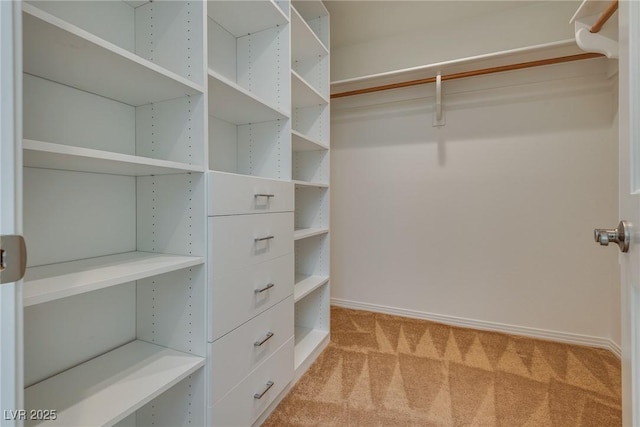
10, 210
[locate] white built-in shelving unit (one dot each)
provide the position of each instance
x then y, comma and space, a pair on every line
310, 174
176, 207
114, 212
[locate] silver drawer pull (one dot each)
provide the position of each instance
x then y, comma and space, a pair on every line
259, 395
266, 288
264, 340
268, 196
261, 239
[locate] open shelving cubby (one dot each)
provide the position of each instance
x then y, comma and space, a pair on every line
311, 326
311, 211
310, 54
311, 264
123, 389
126, 62
316, 17
113, 189
310, 135
310, 174
249, 88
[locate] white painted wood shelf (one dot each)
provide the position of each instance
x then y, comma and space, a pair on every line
300, 184
303, 94
305, 44
310, 9
105, 390
301, 142
246, 17
490, 60
232, 103
49, 155
309, 232
64, 53
304, 285
55, 281
307, 340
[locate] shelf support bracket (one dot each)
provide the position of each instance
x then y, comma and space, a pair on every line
438, 114
595, 42
591, 33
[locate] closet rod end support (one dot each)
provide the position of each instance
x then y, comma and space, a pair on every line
438, 114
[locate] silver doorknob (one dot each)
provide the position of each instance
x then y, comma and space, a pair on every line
620, 235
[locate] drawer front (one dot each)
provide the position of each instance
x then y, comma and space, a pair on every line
240, 407
231, 194
240, 241
238, 353
233, 298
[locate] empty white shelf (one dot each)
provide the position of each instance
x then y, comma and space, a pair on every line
307, 284
310, 9
303, 233
58, 51
106, 389
302, 142
298, 183
48, 155
50, 282
307, 340
136, 3
246, 17
303, 94
305, 43
232, 103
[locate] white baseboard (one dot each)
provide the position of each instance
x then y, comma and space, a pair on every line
565, 337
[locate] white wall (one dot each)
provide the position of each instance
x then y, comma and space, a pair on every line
490, 218
532, 23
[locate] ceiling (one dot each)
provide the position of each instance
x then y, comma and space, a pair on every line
357, 21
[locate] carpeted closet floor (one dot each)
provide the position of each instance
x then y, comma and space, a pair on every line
382, 370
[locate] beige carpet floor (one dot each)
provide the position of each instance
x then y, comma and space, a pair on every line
382, 370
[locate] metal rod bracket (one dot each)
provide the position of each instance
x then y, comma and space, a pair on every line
438, 114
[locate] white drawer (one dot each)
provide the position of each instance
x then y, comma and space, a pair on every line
233, 298
240, 241
237, 354
240, 407
231, 194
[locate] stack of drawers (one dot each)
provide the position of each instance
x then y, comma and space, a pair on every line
251, 278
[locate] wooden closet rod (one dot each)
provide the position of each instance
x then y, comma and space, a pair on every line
604, 17
472, 73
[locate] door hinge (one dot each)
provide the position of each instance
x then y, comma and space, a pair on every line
13, 258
